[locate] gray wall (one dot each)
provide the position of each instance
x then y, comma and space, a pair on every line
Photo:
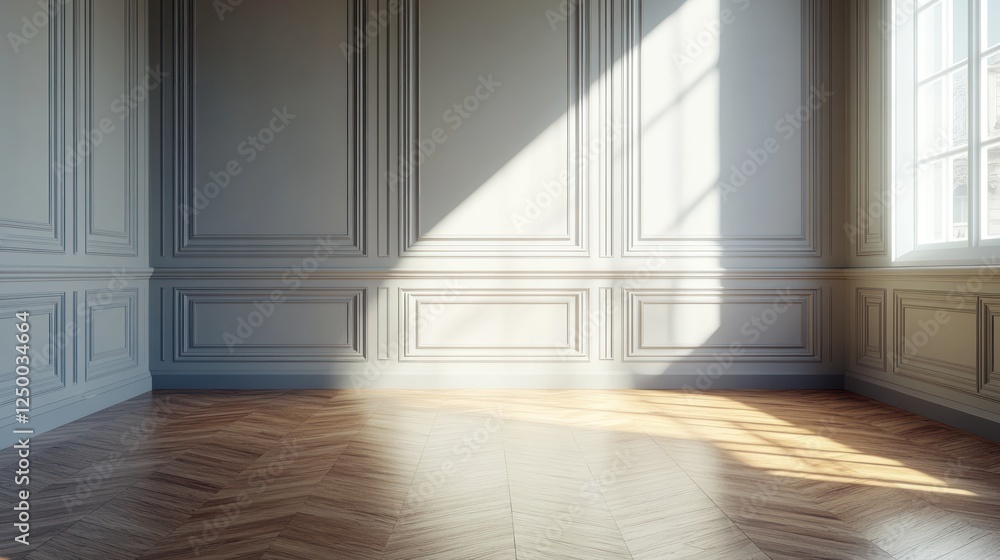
480, 193
922, 335
73, 240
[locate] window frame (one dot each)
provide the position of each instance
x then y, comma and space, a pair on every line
905, 246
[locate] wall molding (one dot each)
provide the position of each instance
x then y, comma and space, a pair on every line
16, 273
49, 237
868, 300
575, 242
611, 379
99, 365
186, 240
925, 368
808, 349
262, 273
606, 340
414, 346
867, 132
98, 241
808, 242
52, 377
988, 381
184, 302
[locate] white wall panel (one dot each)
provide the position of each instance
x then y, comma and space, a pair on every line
270, 325
494, 325
726, 160
492, 142
744, 325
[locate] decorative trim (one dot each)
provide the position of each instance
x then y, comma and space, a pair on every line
414, 349
807, 243
988, 382
986, 273
260, 273
612, 46
51, 377
187, 241
98, 241
574, 243
808, 349
104, 364
186, 348
611, 379
53, 273
929, 370
867, 355
383, 323
870, 233
606, 324
49, 237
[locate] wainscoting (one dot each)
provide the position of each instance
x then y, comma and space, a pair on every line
73, 237
328, 194
605, 198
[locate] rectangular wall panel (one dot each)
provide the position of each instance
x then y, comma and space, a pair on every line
111, 110
304, 325
493, 325
32, 149
723, 143
989, 337
870, 328
731, 325
47, 343
935, 339
491, 144
112, 332
278, 173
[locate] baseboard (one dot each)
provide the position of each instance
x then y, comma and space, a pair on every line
73, 408
287, 380
911, 401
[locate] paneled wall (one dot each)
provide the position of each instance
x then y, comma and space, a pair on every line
73, 242
603, 193
921, 335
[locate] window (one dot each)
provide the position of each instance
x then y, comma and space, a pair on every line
946, 126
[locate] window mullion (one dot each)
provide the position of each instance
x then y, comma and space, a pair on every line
916, 179
976, 213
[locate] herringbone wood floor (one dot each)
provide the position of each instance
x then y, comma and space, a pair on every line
527, 474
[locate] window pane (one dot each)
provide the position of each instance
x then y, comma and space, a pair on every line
959, 30
991, 128
959, 167
942, 114
932, 138
930, 202
930, 41
959, 116
991, 13
991, 183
